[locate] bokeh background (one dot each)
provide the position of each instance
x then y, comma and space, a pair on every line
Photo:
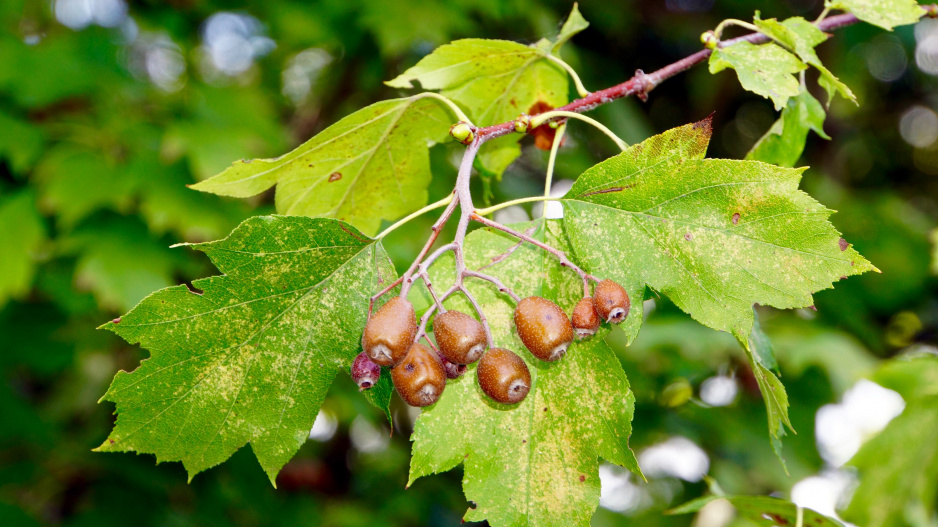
108, 108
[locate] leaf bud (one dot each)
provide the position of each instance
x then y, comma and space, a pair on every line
522, 124
462, 132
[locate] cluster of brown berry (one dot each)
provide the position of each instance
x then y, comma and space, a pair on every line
420, 374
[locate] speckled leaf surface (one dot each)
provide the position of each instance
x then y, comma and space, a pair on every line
886, 14
801, 37
716, 236
535, 463
374, 164
765, 69
765, 511
784, 141
250, 357
496, 81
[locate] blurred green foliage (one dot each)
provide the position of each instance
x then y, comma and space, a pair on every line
101, 128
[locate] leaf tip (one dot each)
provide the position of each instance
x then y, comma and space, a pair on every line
399, 82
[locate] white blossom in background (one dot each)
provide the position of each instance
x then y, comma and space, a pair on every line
553, 210
368, 438
618, 492
719, 390
157, 58
825, 492
677, 457
841, 429
324, 427
919, 126
926, 49
231, 42
79, 14
885, 58
302, 72
512, 214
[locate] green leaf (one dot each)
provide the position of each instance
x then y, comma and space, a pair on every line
801, 37
898, 468
762, 361
21, 142
119, 261
74, 183
22, 231
886, 14
765, 69
573, 25
716, 236
933, 236
496, 81
371, 165
535, 463
784, 142
250, 357
763, 510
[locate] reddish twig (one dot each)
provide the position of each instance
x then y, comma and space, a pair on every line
641, 83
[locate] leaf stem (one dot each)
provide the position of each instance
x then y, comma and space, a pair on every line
542, 118
560, 255
825, 12
498, 283
442, 203
488, 210
577, 83
552, 159
460, 116
733, 22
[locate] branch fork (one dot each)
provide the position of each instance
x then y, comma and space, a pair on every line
474, 136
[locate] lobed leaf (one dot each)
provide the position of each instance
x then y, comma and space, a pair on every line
247, 356
496, 81
886, 14
784, 142
535, 463
374, 164
765, 69
801, 37
716, 236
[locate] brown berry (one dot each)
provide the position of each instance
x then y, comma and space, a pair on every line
543, 327
390, 332
585, 319
504, 376
460, 337
365, 373
611, 301
419, 377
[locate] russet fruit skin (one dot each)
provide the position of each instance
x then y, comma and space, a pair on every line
365, 373
504, 376
543, 327
460, 337
419, 377
585, 319
390, 332
611, 301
